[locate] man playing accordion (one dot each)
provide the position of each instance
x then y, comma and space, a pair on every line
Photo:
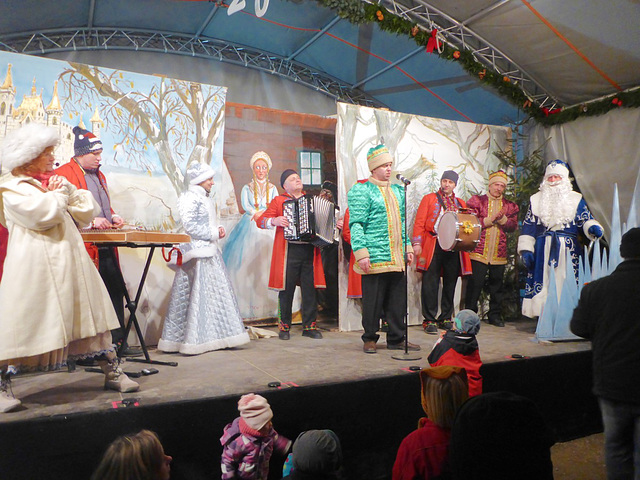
292, 262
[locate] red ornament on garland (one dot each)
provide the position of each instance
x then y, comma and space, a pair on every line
617, 101
432, 44
548, 112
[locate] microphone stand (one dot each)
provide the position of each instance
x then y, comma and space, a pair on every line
406, 355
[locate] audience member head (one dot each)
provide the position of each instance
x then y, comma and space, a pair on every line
29, 150
137, 456
316, 454
630, 244
444, 389
500, 436
467, 321
255, 411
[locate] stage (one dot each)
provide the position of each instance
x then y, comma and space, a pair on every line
371, 401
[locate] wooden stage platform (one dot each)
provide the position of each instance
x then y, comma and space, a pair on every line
371, 401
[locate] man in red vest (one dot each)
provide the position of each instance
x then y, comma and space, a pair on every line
292, 262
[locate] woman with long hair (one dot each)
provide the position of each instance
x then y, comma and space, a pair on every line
137, 456
424, 453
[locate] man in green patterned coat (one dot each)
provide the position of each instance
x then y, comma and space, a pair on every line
376, 210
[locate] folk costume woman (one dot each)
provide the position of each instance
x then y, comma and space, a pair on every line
248, 249
54, 304
203, 312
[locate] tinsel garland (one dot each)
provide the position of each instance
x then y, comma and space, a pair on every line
359, 12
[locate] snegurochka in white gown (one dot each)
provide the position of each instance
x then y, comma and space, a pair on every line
203, 312
247, 252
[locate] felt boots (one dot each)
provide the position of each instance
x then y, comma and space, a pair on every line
7, 401
115, 378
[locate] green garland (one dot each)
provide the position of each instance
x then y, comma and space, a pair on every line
359, 12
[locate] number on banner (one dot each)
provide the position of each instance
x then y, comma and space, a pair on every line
238, 5
261, 7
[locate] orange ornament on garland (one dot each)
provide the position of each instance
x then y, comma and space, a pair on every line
379, 15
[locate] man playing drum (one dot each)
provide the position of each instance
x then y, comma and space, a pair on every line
433, 261
498, 216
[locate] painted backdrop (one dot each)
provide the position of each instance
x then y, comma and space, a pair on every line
151, 127
422, 148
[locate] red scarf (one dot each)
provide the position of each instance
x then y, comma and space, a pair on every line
44, 178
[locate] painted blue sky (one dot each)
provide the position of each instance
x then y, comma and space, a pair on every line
46, 71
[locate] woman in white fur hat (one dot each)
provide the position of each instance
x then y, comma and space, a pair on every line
203, 312
53, 303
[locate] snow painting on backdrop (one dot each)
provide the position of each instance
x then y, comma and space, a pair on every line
422, 148
151, 127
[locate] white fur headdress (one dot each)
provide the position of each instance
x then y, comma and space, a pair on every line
25, 144
199, 172
261, 156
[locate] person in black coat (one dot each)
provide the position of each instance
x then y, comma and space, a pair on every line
608, 314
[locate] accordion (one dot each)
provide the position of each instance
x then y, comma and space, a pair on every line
312, 219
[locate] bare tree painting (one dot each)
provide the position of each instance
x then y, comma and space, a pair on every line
422, 149
168, 126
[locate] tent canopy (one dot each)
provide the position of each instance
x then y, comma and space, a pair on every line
558, 54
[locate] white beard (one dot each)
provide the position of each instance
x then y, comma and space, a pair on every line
555, 209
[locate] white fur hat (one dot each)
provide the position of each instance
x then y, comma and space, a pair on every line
199, 172
25, 144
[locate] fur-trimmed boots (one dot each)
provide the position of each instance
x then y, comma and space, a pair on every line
115, 378
7, 401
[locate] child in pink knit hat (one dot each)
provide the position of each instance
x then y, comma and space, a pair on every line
249, 441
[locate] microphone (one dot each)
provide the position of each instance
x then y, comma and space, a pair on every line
404, 180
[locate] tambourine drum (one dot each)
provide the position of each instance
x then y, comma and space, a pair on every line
458, 232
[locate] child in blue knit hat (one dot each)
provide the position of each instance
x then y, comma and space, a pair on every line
459, 347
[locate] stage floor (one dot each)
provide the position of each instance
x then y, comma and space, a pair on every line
300, 361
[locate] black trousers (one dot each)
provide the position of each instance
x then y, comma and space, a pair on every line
112, 278
384, 292
299, 268
476, 283
447, 264
328, 297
